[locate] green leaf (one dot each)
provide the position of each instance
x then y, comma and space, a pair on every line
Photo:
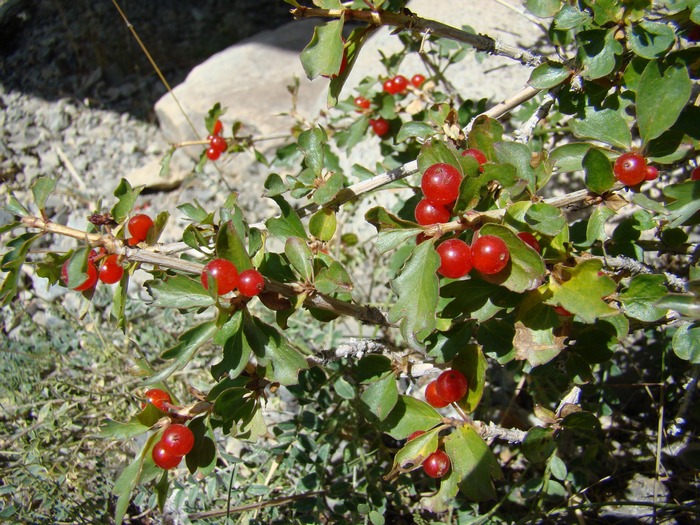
212, 116
473, 464
686, 201
236, 348
546, 75
328, 189
229, 246
687, 305
203, 453
599, 173
595, 229
41, 189
605, 125
434, 152
300, 257
413, 129
324, 54
12, 261
539, 444
408, 415
571, 17
525, 270
380, 397
181, 354
15, 207
537, 337
413, 453
289, 224
311, 144
180, 292
117, 430
131, 476
520, 156
126, 196
344, 388
661, 96
545, 219
77, 267
334, 279
638, 300
650, 39
598, 49
569, 157
543, 8
686, 342
322, 224
417, 292
476, 299
582, 294
277, 353
472, 363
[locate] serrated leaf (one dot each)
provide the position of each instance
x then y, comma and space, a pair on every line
520, 156
643, 291
324, 54
126, 199
179, 291
408, 415
546, 75
686, 342
300, 257
583, 293
545, 219
599, 174
525, 269
322, 224
181, 354
41, 189
380, 397
289, 224
417, 294
414, 129
650, 39
571, 17
661, 96
605, 125
277, 354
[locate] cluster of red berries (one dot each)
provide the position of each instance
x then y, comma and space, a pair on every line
249, 282
631, 168
217, 143
394, 86
102, 267
139, 226
177, 440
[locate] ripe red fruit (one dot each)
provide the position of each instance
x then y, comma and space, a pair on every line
415, 434
177, 440
477, 154
451, 385
380, 126
630, 168
138, 227
158, 398
695, 174
490, 254
218, 128
440, 183
432, 397
250, 283
400, 83
530, 240
218, 143
224, 273
110, 270
89, 281
427, 213
417, 80
651, 173
213, 153
455, 258
388, 86
362, 103
164, 459
437, 464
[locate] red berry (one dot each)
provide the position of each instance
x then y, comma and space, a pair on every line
440, 183
651, 173
695, 174
110, 270
427, 213
218, 128
380, 126
89, 281
490, 254
388, 86
218, 143
437, 464
362, 102
213, 153
560, 310
455, 258
158, 398
177, 440
415, 434
400, 83
139, 226
224, 273
530, 240
477, 154
630, 168
451, 385
432, 397
417, 80
164, 459
250, 283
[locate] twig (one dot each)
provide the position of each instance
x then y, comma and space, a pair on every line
71, 169
411, 22
636, 267
524, 134
493, 431
253, 506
